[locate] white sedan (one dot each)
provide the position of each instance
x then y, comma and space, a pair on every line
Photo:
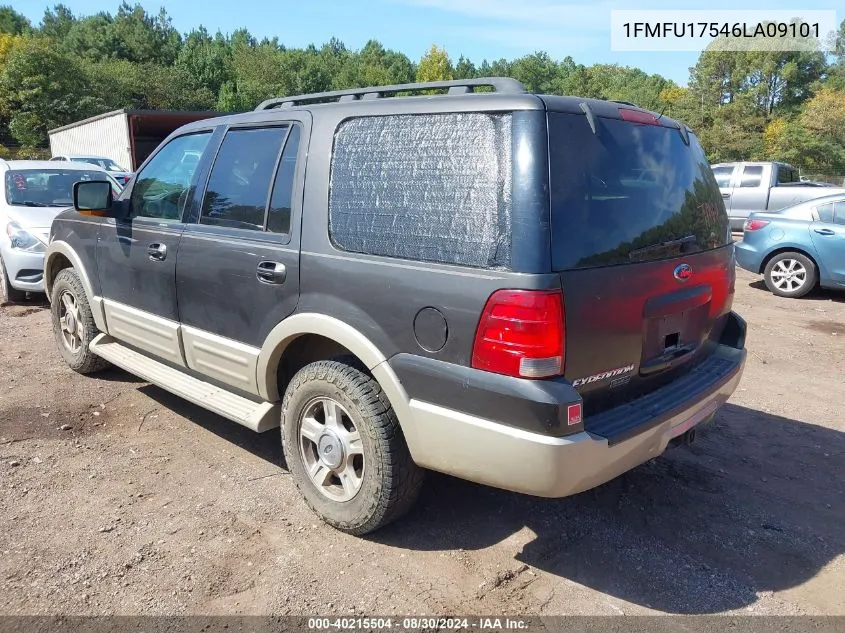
35, 192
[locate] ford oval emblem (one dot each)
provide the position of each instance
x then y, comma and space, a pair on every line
683, 272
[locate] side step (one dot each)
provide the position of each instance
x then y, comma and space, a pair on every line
258, 416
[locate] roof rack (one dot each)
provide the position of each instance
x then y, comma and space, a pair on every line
502, 85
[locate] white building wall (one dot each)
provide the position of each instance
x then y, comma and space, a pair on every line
107, 137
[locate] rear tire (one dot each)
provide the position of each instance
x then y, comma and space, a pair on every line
74, 333
790, 275
10, 295
345, 449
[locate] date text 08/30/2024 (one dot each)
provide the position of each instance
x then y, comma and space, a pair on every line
417, 623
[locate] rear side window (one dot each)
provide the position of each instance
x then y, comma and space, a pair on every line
239, 185
752, 176
431, 188
630, 193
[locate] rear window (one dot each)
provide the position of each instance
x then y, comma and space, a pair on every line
434, 187
630, 193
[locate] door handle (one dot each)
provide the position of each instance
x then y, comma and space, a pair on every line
824, 231
726, 195
157, 252
271, 272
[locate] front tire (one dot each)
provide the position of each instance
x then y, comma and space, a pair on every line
345, 449
790, 275
10, 295
73, 323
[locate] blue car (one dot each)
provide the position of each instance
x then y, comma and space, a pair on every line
797, 248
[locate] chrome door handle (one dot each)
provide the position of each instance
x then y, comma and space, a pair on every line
824, 231
271, 272
726, 195
157, 252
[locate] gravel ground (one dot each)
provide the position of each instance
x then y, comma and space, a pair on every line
120, 498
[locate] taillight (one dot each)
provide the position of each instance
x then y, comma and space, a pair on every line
638, 116
754, 225
521, 333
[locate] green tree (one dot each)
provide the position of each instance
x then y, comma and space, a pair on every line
42, 88
13, 22
207, 59
538, 72
465, 69
435, 65
57, 22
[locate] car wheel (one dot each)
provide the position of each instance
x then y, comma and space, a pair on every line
790, 275
343, 446
73, 323
10, 295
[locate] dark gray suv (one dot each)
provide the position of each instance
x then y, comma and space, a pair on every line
530, 292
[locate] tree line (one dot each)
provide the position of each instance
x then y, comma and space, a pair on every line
760, 105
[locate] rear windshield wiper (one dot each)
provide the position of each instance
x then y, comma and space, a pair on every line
30, 203
671, 244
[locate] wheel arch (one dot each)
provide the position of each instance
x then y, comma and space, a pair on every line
345, 338
787, 249
61, 255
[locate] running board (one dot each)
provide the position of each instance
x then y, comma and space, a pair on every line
258, 416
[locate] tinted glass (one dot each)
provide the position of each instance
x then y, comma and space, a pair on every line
162, 187
278, 218
723, 176
825, 212
434, 187
48, 187
239, 185
786, 175
839, 212
752, 176
630, 193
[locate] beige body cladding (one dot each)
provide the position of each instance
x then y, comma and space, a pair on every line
438, 438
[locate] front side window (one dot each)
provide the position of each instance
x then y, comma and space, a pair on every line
161, 188
752, 176
239, 185
49, 187
723, 176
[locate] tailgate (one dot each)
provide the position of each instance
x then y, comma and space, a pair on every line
641, 241
631, 329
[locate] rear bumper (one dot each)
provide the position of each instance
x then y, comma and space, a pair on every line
505, 456
748, 257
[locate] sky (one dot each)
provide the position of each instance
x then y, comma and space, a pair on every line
477, 29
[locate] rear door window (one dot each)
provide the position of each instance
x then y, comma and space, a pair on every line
825, 212
752, 176
839, 212
239, 185
629, 193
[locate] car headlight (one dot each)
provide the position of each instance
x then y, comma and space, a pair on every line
22, 240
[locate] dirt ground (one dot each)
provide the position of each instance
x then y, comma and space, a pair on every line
120, 498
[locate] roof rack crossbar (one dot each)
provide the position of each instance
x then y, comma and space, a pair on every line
501, 85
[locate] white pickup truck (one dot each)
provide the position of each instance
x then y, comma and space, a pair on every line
760, 186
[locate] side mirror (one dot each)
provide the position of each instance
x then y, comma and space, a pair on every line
94, 197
